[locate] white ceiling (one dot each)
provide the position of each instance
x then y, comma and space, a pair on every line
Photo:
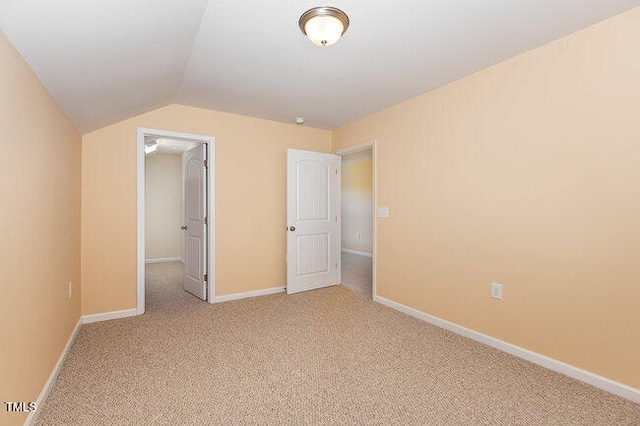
169, 146
106, 60
366, 154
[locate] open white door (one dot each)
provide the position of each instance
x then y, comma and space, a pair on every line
195, 212
313, 217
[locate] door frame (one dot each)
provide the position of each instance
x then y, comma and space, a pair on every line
140, 195
373, 146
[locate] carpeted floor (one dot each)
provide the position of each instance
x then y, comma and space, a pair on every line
357, 273
322, 357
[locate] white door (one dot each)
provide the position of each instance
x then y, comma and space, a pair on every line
313, 220
195, 213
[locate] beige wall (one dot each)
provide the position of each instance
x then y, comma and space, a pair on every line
39, 232
163, 206
250, 195
357, 203
526, 174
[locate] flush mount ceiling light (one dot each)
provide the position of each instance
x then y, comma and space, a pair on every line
324, 25
150, 147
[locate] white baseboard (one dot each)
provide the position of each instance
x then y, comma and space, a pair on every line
542, 360
255, 293
359, 253
53, 376
164, 259
88, 319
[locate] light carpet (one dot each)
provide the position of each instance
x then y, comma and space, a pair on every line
322, 357
357, 272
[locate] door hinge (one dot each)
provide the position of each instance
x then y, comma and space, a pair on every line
206, 277
206, 222
206, 164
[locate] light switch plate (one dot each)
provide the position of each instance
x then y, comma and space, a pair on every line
383, 211
496, 291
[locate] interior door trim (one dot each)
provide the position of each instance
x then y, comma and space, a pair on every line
140, 196
373, 146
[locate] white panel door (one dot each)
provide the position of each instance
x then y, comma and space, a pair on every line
313, 220
195, 212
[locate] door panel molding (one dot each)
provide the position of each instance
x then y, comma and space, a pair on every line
313, 220
195, 236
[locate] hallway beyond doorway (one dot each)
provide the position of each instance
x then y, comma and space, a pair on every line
356, 274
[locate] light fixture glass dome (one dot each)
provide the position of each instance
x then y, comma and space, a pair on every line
324, 25
150, 147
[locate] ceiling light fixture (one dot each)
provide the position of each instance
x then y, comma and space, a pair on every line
150, 147
324, 25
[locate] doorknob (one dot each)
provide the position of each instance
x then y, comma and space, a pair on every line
292, 228
183, 227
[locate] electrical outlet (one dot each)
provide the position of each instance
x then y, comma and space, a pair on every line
70, 289
496, 291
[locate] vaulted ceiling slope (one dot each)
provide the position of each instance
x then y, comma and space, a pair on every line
107, 60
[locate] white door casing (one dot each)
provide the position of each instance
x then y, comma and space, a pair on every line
313, 220
142, 133
195, 212
372, 145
